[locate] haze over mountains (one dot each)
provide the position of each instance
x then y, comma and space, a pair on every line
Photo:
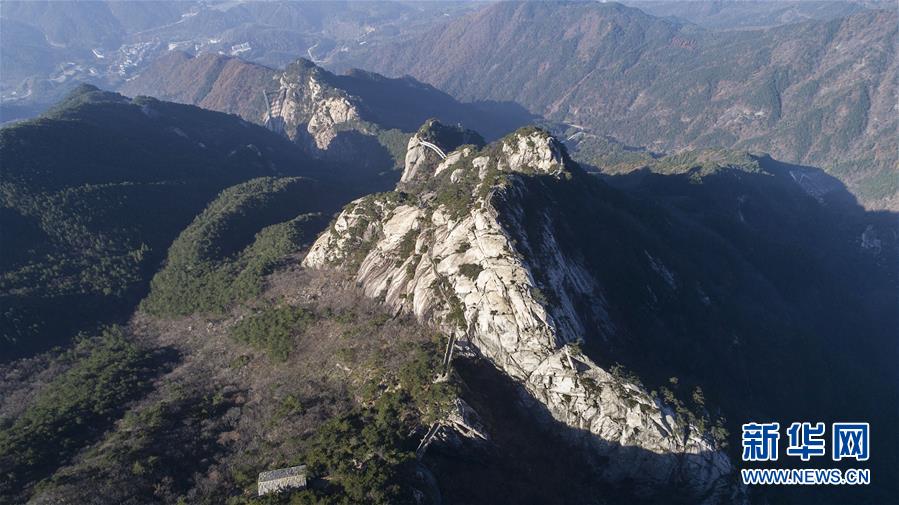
743, 15
818, 93
661, 83
49, 47
544, 268
809, 82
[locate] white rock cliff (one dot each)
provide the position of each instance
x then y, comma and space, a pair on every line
308, 111
455, 265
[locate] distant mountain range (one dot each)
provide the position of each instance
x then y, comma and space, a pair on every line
50, 47
742, 14
807, 82
817, 93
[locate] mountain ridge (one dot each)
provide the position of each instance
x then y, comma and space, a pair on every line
557, 279
815, 93
90, 227
371, 103
484, 295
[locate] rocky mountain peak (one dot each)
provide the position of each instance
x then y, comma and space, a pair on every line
433, 146
301, 65
533, 150
448, 137
447, 248
309, 110
528, 150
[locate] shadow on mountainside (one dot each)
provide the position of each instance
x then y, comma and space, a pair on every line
771, 289
76, 409
533, 459
405, 103
233, 85
96, 190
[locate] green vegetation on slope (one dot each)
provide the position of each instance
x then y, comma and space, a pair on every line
273, 329
151, 453
105, 373
351, 398
605, 153
224, 255
93, 193
395, 141
449, 137
368, 454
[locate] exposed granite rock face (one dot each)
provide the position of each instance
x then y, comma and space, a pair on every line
308, 111
429, 147
447, 250
416, 158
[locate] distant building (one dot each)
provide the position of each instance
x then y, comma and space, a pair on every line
284, 478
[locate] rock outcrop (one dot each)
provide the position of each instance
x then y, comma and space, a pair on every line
446, 247
309, 111
428, 147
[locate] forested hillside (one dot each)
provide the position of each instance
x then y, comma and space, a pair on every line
224, 255
94, 192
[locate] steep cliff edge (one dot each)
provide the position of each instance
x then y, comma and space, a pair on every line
306, 110
304, 103
447, 247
